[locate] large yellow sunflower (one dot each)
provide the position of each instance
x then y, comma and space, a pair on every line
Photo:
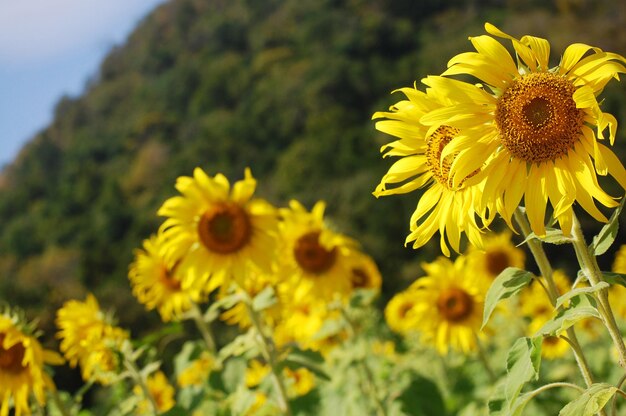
533, 131
314, 260
217, 232
449, 209
448, 305
157, 283
88, 338
22, 362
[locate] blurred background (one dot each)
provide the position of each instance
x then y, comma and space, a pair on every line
284, 87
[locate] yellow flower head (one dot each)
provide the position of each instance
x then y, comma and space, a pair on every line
364, 272
217, 233
498, 253
444, 207
299, 382
161, 391
552, 347
449, 303
252, 285
531, 130
314, 260
157, 284
22, 362
400, 312
88, 338
256, 373
198, 371
617, 293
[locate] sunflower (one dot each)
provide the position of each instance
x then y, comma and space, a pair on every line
448, 305
197, 372
161, 391
532, 131
400, 312
617, 292
552, 347
22, 361
88, 338
156, 284
254, 284
315, 261
217, 233
451, 210
498, 253
364, 272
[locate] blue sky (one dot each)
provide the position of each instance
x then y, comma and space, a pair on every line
49, 48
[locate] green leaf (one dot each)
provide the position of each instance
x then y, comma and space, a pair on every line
422, 398
233, 374
553, 236
579, 291
607, 234
590, 402
583, 306
265, 299
614, 278
226, 302
507, 284
242, 344
311, 360
520, 404
176, 411
522, 365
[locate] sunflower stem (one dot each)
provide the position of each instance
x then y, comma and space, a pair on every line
204, 329
589, 267
369, 377
131, 367
545, 268
58, 402
268, 349
483, 359
614, 404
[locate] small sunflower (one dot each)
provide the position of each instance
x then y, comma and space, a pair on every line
22, 361
162, 392
315, 260
218, 233
400, 312
531, 130
198, 371
498, 253
451, 210
617, 293
299, 382
157, 283
88, 338
364, 272
449, 303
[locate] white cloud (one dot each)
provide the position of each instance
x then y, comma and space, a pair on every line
33, 31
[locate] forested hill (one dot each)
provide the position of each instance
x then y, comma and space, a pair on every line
284, 87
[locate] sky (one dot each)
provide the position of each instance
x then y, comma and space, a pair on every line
50, 48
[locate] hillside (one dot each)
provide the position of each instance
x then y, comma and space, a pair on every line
284, 87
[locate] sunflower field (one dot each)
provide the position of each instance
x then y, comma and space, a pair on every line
268, 309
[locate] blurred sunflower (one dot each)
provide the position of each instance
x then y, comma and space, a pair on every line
315, 260
254, 284
498, 253
22, 361
299, 381
161, 391
88, 338
551, 347
617, 292
451, 210
400, 312
217, 232
157, 283
449, 303
364, 272
197, 372
534, 131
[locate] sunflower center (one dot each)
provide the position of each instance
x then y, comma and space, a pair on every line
359, 278
537, 117
168, 280
311, 255
455, 304
225, 228
496, 262
404, 309
11, 359
435, 143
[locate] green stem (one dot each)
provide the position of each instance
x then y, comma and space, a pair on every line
483, 359
138, 379
545, 268
590, 269
369, 377
614, 404
553, 385
268, 350
204, 329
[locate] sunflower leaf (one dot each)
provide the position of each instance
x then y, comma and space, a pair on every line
553, 236
591, 401
582, 306
265, 299
579, 291
614, 278
522, 365
311, 360
607, 234
507, 284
